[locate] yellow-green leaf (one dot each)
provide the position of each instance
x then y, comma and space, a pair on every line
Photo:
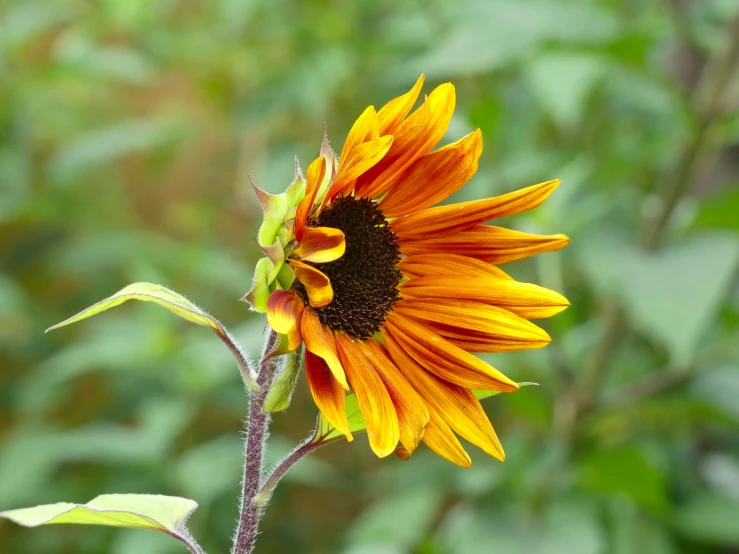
325, 432
482, 394
167, 514
175, 303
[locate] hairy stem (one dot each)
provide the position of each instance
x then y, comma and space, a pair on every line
257, 431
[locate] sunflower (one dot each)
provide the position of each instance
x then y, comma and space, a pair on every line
390, 295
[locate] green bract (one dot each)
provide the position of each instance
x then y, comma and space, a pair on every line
274, 238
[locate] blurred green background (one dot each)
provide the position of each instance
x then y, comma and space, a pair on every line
127, 131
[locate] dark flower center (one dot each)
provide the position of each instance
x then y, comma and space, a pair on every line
365, 279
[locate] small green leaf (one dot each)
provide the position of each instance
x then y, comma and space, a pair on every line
175, 303
281, 392
325, 432
167, 514
148, 292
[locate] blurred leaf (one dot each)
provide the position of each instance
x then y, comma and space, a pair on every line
167, 514
673, 295
709, 518
625, 470
634, 531
719, 388
211, 469
283, 387
325, 432
721, 472
562, 82
98, 148
400, 521
720, 211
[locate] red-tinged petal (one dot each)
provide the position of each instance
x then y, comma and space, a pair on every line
456, 405
314, 177
524, 299
329, 396
365, 128
415, 137
413, 415
392, 114
284, 310
450, 264
442, 358
434, 177
321, 245
476, 321
440, 438
322, 343
317, 284
374, 400
360, 159
487, 243
445, 220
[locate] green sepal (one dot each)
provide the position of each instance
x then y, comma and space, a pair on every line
285, 277
281, 393
260, 290
325, 432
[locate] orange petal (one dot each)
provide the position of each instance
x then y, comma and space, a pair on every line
360, 159
415, 137
473, 320
365, 128
524, 299
440, 438
445, 220
392, 114
413, 415
441, 357
317, 285
450, 264
284, 310
321, 342
487, 243
456, 405
328, 395
374, 400
313, 178
434, 177
321, 245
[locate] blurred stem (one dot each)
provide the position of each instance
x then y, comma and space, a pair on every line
257, 428
706, 101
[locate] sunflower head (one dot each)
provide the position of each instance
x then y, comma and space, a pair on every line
392, 295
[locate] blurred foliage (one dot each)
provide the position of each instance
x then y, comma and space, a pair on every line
127, 130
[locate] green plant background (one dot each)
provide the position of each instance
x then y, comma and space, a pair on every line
127, 131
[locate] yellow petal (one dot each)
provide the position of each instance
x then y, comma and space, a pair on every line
434, 177
441, 357
415, 137
374, 400
317, 284
314, 177
440, 438
365, 128
444, 263
361, 159
328, 394
321, 342
321, 245
524, 299
495, 245
413, 415
392, 114
445, 220
284, 310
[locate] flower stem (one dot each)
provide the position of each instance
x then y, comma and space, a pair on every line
257, 432
303, 449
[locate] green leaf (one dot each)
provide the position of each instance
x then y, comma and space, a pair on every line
148, 292
281, 392
166, 514
325, 432
710, 518
175, 303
